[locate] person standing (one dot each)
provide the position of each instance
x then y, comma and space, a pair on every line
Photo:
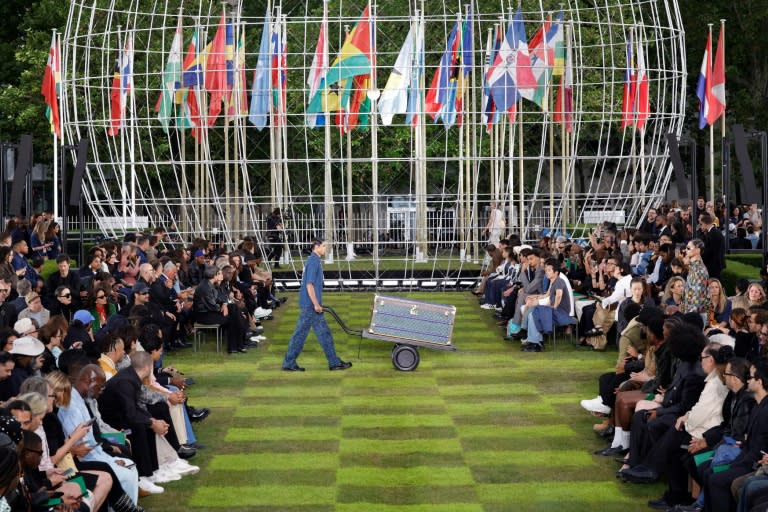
275, 231
496, 224
311, 315
696, 298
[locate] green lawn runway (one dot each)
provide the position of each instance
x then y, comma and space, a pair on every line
485, 428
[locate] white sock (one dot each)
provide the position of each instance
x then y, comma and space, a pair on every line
625, 439
616, 437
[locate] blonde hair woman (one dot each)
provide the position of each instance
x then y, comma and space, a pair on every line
720, 306
673, 295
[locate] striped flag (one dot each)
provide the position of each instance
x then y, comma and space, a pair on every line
122, 86
643, 109
716, 89
705, 77
171, 80
261, 89
317, 75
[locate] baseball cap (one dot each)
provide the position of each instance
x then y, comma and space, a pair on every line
140, 287
198, 253
84, 316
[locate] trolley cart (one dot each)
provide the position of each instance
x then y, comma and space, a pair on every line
407, 323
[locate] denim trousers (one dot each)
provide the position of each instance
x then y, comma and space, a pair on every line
309, 319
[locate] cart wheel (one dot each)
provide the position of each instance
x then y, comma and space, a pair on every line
405, 358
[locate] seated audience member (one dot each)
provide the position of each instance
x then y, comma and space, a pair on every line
672, 299
506, 272
540, 318
531, 278
656, 373
23, 287
720, 307
80, 336
99, 307
27, 352
62, 303
717, 485
639, 294
120, 408
739, 300
739, 329
210, 307
112, 352
496, 259
50, 335
64, 277
35, 309
755, 295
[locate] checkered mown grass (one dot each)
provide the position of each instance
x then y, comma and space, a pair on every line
487, 428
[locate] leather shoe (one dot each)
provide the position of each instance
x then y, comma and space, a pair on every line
611, 452
294, 368
199, 414
608, 432
640, 475
519, 335
340, 366
186, 452
687, 508
532, 347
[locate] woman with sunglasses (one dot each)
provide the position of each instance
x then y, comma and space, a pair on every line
101, 308
63, 304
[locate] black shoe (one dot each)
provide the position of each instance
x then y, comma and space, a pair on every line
510, 338
610, 452
189, 381
283, 300
199, 414
640, 475
270, 317
186, 451
196, 446
608, 432
532, 347
687, 508
242, 350
519, 335
340, 366
294, 368
660, 504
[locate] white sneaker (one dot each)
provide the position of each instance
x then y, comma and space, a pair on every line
162, 476
595, 405
147, 486
488, 306
261, 337
182, 468
254, 339
261, 312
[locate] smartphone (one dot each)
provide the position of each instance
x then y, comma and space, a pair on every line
69, 473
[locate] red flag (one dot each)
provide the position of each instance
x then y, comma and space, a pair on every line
716, 87
628, 99
216, 72
50, 87
643, 109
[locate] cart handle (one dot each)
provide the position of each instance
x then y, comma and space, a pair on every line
341, 323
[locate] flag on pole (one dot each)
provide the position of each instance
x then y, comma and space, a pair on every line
705, 77
716, 91
354, 60
317, 74
279, 76
490, 114
260, 91
643, 108
564, 102
122, 86
415, 108
192, 77
51, 86
510, 77
628, 98
171, 80
440, 101
394, 98
216, 70
238, 98
544, 47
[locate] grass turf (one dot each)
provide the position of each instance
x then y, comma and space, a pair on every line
487, 428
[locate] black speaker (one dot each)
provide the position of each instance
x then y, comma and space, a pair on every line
751, 194
677, 165
77, 178
20, 173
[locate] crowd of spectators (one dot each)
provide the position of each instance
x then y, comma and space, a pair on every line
91, 414
684, 403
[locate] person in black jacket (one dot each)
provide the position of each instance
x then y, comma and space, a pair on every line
63, 277
717, 486
119, 406
713, 254
212, 307
275, 238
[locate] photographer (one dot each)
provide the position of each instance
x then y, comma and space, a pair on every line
275, 237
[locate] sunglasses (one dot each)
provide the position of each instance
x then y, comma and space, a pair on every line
100, 296
66, 295
142, 293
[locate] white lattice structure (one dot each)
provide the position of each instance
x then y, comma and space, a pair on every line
226, 187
